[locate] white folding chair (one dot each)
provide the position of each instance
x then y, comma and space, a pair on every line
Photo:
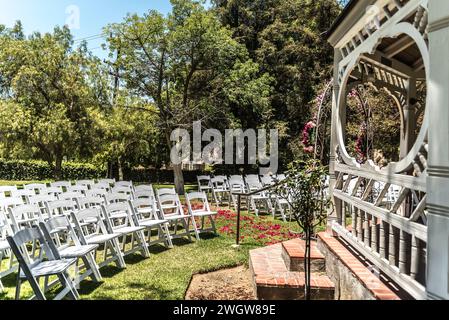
110, 182
60, 208
91, 229
198, 206
36, 187
78, 188
6, 189
64, 242
260, 199
127, 184
86, 183
55, 191
116, 198
32, 267
145, 215
266, 180
11, 202
24, 216
89, 202
61, 184
5, 251
204, 184
236, 185
171, 210
219, 190
123, 190
40, 201
100, 193
70, 195
23, 193
119, 218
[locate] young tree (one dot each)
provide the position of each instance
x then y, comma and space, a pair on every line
304, 192
178, 63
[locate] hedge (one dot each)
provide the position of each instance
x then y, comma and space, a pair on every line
21, 170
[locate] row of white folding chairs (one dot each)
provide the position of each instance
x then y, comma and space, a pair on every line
132, 214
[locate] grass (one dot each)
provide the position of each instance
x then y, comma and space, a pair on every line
166, 274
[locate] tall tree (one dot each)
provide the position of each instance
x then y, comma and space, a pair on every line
46, 94
178, 63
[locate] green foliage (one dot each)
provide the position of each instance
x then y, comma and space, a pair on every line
40, 170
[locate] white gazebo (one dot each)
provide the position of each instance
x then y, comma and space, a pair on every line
397, 45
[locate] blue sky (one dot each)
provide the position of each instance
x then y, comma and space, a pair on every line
43, 15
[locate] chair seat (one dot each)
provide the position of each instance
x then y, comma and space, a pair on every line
151, 222
101, 238
49, 268
174, 217
145, 210
203, 213
4, 245
77, 251
128, 230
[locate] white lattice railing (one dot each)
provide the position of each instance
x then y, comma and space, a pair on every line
383, 217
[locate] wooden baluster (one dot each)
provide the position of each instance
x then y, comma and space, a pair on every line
383, 231
366, 229
404, 249
374, 233
354, 221
392, 246
415, 259
360, 215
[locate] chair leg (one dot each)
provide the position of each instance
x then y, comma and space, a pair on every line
165, 231
212, 222
18, 285
90, 261
140, 237
186, 223
65, 280
115, 249
195, 228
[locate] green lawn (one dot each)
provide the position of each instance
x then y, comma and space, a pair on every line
167, 273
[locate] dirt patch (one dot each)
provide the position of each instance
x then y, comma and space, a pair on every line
228, 284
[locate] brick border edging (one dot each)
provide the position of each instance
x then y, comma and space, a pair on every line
372, 284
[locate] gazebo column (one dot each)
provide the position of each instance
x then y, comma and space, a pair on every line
438, 161
337, 212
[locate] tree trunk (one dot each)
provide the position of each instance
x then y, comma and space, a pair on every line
57, 172
179, 179
120, 169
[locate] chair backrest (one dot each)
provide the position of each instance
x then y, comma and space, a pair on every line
110, 182
101, 193
101, 185
89, 222
70, 195
52, 191
236, 183
203, 181
40, 201
4, 189
5, 227
24, 216
23, 193
27, 260
119, 215
59, 233
197, 201
78, 188
266, 180
173, 201
128, 184
254, 185
143, 194
144, 187
252, 178
147, 204
9, 202
124, 190
61, 184
89, 202
35, 186
116, 198
87, 183
60, 207
166, 191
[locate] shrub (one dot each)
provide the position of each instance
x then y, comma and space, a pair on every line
40, 170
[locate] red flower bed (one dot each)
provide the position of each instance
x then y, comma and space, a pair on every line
253, 229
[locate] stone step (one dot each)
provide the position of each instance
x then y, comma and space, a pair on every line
293, 254
274, 281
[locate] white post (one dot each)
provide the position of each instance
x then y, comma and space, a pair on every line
337, 203
438, 179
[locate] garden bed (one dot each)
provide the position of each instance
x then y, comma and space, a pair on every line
227, 284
